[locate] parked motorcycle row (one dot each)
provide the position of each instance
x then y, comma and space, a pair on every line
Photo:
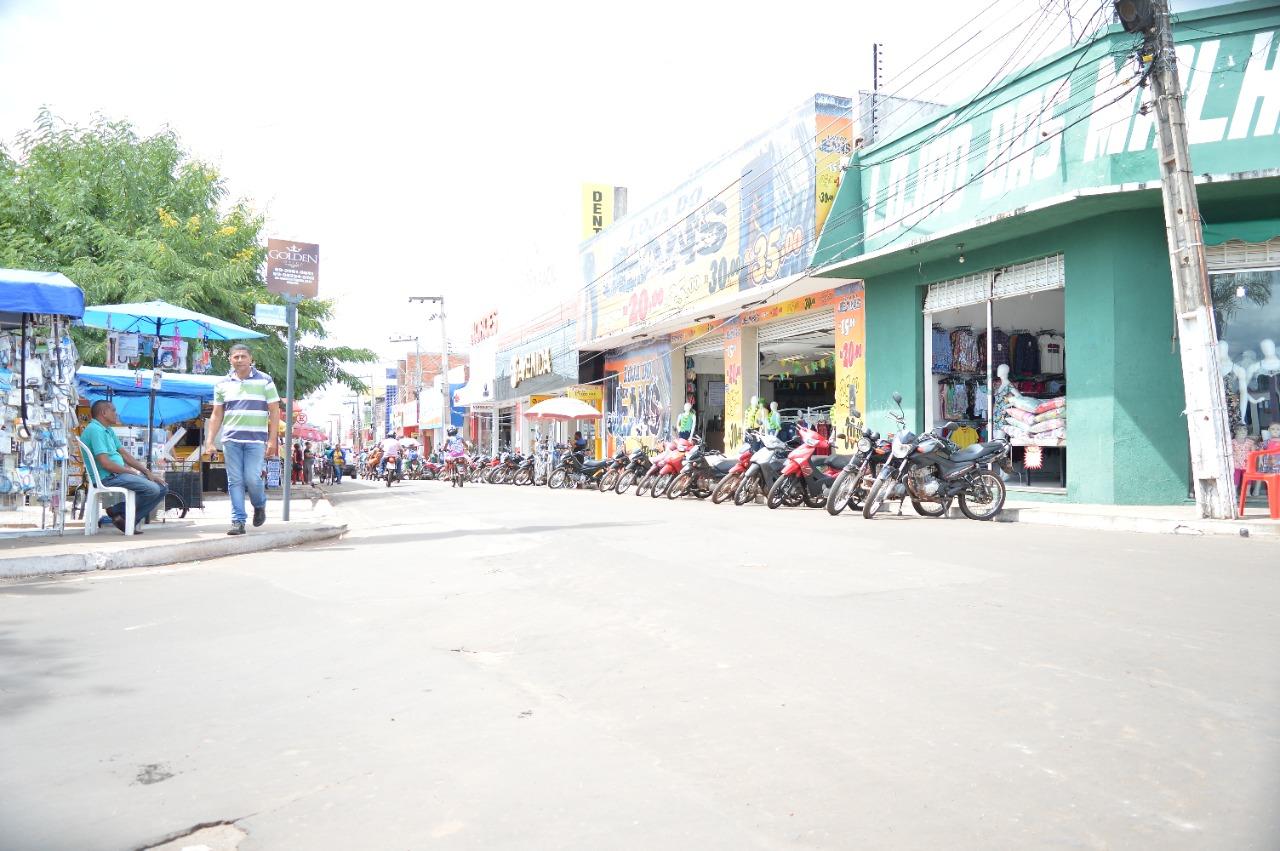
927, 469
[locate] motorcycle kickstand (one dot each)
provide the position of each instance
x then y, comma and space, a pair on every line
901, 502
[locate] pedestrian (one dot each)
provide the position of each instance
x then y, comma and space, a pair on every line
115, 468
295, 474
339, 458
247, 403
308, 462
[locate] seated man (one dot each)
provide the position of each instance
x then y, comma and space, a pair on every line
115, 468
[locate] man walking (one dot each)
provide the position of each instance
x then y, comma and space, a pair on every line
115, 467
247, 403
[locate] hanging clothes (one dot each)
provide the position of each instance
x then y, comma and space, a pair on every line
941, 350
1052, 351
1025, 358
964, 351
957, 402
964, 436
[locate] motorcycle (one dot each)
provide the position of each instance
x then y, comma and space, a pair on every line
524, 474
764, 469
809, 471
457, 470
390, 470
431, 469
479, 469
850, 488
575, 471
638, 464
672, 464
700, 472
616, 467
933, 471
647, 481
726, 487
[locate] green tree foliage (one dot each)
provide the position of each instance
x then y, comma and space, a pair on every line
132, 218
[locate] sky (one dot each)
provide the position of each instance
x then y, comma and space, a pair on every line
440, 151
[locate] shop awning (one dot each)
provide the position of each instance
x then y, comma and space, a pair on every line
1259, 230
139, 382
25, 291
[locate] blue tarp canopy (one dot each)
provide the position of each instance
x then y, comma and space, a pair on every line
177, 400
24, 291
161, 319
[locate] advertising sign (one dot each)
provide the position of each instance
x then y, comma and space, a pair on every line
743, 222
640, 411
597, 208
293, 268
851, 361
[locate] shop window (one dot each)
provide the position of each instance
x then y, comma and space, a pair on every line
797, 370
1247, 314
995, 355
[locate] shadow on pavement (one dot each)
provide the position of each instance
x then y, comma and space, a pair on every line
29, 670
400, 537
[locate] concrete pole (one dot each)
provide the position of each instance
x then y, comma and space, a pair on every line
1207, 422
446, 410
291, 311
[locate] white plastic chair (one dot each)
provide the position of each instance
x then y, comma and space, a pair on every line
97, 491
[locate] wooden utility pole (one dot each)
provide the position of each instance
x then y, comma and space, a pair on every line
1207, 423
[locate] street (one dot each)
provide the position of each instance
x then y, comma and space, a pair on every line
501, 667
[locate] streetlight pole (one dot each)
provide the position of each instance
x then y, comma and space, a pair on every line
417, 378
446, 409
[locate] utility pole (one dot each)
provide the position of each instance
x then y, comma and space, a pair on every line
417, 377
877, 71
446, 408
1207, 423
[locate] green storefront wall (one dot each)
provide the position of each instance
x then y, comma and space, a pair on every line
1126, 435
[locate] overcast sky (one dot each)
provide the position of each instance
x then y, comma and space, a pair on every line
433, 150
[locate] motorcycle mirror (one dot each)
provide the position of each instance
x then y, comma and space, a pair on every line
855, 413
897, 397
840, 437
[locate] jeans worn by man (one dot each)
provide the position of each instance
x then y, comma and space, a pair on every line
148, 495
244, 476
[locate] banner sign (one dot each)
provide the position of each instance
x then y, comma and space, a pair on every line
270, 314
851, 361
293, 268
639, 413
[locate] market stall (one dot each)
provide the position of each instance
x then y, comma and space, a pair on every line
37, 398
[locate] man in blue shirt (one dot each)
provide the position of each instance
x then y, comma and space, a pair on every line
115, 468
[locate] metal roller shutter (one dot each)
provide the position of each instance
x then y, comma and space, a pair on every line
958, 292
1243, 255
1047, 273
824, 320
712, 344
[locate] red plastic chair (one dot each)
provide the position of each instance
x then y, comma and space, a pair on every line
1271, 480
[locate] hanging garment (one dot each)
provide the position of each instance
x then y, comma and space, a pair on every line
964, 351
980, 397
957, 406
941, 350
1052, 352
964, 436
1025, 359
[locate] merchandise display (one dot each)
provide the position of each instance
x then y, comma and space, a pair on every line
38, 400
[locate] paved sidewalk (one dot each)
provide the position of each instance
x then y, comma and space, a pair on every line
201, 535
1159, 519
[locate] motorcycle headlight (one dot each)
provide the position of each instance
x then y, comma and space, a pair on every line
901, 450
864, 445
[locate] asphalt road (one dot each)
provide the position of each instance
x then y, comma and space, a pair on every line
520, 669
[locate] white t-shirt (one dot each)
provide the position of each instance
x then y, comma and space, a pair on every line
391, 448
1053, 353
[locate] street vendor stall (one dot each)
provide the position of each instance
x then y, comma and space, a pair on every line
37, 398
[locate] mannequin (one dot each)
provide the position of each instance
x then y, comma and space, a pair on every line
762, 416
1002, 372
1268, 383
1225, 365
686, 422
774, 424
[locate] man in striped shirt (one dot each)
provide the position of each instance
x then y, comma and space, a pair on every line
247, 407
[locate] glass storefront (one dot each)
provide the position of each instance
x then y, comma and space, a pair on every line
1245, 280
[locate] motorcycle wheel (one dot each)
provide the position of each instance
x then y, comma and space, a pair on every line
624, 482
818, 500
679, 486
660, 485
876, 498
608, 481
780, 491
748, 488
645, 484
840, 496
522, 477
700, 490
930, 509
558, 479
987, 496
725, 489
389, 478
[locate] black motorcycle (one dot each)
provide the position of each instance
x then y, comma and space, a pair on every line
933, 471
854, 482
638, 463
700, 473
574, 470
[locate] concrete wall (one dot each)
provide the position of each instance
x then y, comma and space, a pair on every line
1127, 438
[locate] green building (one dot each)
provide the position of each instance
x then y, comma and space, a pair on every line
1026, 227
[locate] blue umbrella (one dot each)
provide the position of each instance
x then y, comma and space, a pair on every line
161, 319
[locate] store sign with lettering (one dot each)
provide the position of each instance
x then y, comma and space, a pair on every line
484, 327
530, 365
293, 268
1078, 123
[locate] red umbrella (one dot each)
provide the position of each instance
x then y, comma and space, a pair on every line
303, 431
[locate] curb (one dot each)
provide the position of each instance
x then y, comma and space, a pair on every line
1147, 525
153, 556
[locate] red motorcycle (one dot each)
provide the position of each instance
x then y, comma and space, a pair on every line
809, 471
730, 482
651, 476
672, 464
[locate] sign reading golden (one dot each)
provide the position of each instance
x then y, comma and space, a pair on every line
530, 365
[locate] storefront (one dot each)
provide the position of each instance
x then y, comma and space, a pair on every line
1033, 218
535, 363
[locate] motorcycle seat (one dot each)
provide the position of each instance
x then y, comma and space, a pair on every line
977, 450
835, 462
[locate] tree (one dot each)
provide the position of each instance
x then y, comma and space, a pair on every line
132, 218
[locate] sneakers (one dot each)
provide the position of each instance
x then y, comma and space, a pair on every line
236, 529
259, 516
